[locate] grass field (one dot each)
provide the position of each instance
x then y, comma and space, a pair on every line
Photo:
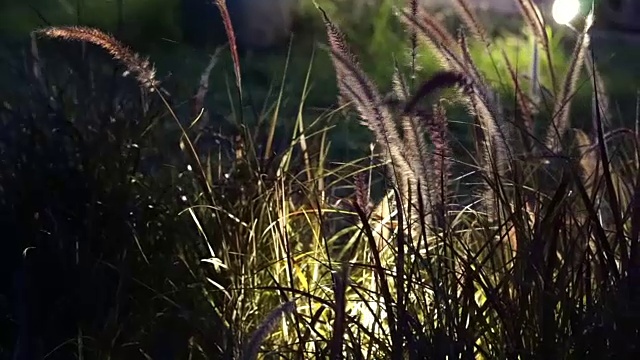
428, 212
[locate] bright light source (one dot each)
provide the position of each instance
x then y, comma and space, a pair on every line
564, 11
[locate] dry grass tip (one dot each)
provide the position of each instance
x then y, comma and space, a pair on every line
142, 69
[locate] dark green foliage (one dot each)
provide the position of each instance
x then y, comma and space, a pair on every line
89, 216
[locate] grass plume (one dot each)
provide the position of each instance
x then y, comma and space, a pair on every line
260, 334
142, 69
561, 108
533, 18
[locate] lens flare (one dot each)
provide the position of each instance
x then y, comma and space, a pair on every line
564, 11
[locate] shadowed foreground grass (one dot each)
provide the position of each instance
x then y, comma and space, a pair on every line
143, 218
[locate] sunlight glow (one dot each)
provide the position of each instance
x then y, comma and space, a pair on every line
564, 11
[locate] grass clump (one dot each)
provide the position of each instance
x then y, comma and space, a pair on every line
523, 246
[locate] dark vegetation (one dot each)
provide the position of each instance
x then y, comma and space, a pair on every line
210, 216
